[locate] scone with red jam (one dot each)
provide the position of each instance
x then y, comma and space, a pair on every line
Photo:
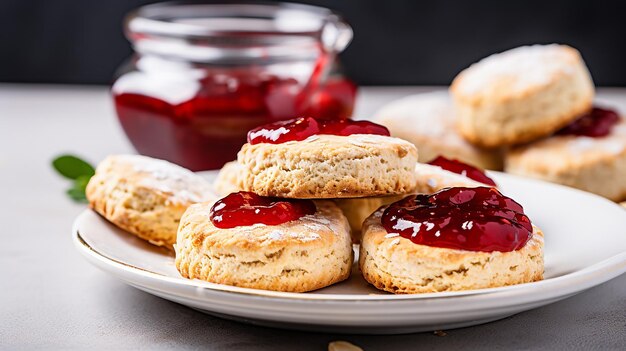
309, 158
251, 241
589, 154
455, 239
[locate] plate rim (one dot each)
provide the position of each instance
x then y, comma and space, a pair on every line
565, 284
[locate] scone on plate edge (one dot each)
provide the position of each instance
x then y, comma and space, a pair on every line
596, 165
428, 121
330, 166
398, 265
309, 253
521, 95
145, 196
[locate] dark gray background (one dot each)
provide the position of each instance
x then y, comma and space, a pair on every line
397, 42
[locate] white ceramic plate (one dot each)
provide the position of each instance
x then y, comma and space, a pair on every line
585, 245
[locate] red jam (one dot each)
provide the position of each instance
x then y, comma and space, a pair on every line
301, 128
246, 208
458, 167
473, 219
206, 130
597, 123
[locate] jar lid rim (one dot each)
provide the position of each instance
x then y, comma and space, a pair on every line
193, 19
236, 31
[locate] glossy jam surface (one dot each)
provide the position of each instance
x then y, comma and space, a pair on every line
246, 208
301, 128
463, 169
597, 123
201, 123
473, 219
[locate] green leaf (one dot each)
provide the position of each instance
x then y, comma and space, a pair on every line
72, 167
76, 194
77, 191
81, 182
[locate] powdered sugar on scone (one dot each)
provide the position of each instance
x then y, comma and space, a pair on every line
182, 185
428, 121
519, 69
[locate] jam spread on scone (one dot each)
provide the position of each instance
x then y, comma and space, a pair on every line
299, 129
246, 208
473, 219
597, 123
463, 169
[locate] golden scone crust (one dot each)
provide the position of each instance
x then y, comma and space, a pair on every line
302, 255
397, 265
521, 95
597, 165
357, 210
431, 179
145, 196
623, 204
329, 166
428, 121
229, 179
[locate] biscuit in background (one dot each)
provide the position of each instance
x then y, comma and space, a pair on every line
521, 95
428, 121
431, 179
597, 165
228, 179
145, 196
357, 210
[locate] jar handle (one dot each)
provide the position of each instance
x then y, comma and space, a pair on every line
336, 34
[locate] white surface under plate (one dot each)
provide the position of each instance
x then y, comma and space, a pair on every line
585, 245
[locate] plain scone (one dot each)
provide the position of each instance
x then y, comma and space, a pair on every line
399, 266
431, 179
228, 179
521, 95
597, 165
310, 253
428, 121
330, 166
357, 210
145, 196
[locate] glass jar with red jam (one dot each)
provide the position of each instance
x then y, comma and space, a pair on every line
203, 75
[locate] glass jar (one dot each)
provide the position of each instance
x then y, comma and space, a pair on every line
203, 75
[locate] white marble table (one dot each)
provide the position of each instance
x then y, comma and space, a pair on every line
50, 298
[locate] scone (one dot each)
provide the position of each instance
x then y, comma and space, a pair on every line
321, 165
432, 177
228, 179
428, 121
623, 204
594, 164
521, 95
305, 254
357, 210
145, 196
393, 262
